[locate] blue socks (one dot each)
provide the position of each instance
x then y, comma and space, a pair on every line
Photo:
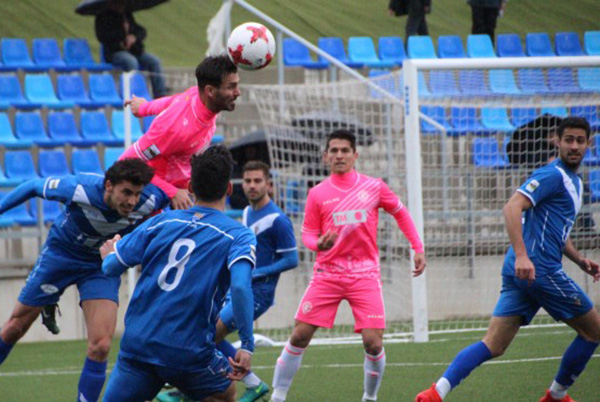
4, 350
91, 380
574, 360
227, 349
466, 361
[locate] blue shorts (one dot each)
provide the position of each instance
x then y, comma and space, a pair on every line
263, 300
558, 294
134, 380
53, 273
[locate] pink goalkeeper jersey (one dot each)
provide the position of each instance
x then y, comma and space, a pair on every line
349, 205
183, 127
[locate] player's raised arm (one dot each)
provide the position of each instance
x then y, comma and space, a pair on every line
52, 188
140, 107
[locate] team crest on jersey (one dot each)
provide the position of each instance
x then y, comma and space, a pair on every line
363, 196
575, 299
306, 307
532, 186
49, 289
197, 216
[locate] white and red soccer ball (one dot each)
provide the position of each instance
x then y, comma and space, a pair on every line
251, 46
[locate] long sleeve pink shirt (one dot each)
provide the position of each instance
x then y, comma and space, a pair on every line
184, 127
349, 205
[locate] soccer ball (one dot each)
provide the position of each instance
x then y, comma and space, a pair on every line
251, 46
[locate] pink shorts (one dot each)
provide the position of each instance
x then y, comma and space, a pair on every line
320, 302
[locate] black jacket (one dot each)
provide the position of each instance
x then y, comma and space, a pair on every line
110, 31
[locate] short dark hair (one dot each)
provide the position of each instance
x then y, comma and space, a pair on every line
257, 165
213, 69
574, 122
132, 170
342, 134
211, 172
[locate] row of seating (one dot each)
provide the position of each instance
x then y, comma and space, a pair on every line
46, 55
490, 120
70, 91
29, 129
496, 82
391, 51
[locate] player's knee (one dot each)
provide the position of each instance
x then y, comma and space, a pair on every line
99, 348
300, 339
373, 346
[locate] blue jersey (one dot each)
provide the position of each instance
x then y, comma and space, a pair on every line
274, 236
186, 256
555, 192
87, 221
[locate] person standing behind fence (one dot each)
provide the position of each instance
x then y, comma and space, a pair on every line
416, 23
484, 14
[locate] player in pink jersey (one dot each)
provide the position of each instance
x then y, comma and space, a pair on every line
340, 224
184, 127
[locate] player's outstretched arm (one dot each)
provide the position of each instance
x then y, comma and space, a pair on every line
149, 108
513, 211
286, 261
588, 266
25, 191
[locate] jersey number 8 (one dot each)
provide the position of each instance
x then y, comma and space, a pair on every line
174, 263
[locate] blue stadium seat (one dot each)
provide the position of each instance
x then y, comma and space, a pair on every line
30, 127
496, 119
51, 210
443, 83
19, 165
559, 111
451, 47
438, 114
19, 214
561, 80
103, 90
78, 54
592, 154
62, 127
590, 113
111, 155
118, 126
6, 182
335, 47
217, 139
591, 42
421, 47
7, 136
386, 81
138, 86
422, 85
147, 122
70, 88
94, 127
53, 163
532, 81
46, 54
86, 160
594, 182
295, 54
361, 49
391, 48
15, 54
465, 120
11, 94
589, 78
502, 81
509, 45
472, 83
486, 153
479, 46
567, 44
292, 197
538, 45
521, 116
39, 89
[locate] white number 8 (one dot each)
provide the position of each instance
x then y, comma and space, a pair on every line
177, 264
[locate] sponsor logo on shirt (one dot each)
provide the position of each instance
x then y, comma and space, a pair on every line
53, 184
49, 289
532, 186
349, 217
336, 199
151, 152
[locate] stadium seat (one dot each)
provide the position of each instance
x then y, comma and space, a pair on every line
111, 155
472, 83
19, 214
538, 45
295, 54
532, 81
103, 90
335, 47
6, 182
509, 45
391, 48
86, 160
496, 119
438, 114
479, 46
386, 81
46, 55
590, 113
465, 120
422, 85
421, 47
15, 54
486, 153
53, 163
19, 165
521, 116
62, 127
30, 127
567, 44
589, 78
118, 126
502, 81
94, 127
78, 54
451, 47
292, 197
51, 210
561, 80
443, 83
7, 136
71, 88
591, 42
138, 86
361, 49
217, 139
594, 182
11, 94
39, 89
147, 122
559, 111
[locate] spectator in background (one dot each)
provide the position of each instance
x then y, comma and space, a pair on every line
416, 10
484, 14
123, 44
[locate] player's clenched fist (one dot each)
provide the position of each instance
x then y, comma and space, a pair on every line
327, 240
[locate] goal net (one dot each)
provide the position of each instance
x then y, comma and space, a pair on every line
455, 140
